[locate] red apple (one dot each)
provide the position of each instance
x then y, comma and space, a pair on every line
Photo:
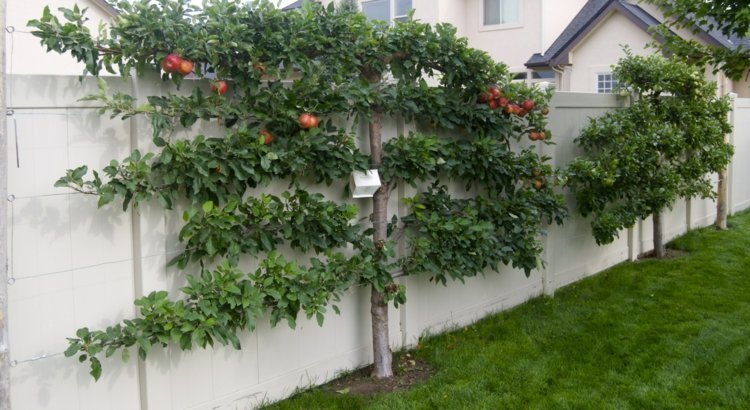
186, 67
503, 102
267, 138
220, 87
307, 121
171, 63
495, 92
492, 104
528, 105
537, 135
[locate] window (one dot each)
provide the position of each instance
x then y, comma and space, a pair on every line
384, 9
605, 83
501, 12
543, 75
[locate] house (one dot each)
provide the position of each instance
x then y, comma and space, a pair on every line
570, 43
583, 55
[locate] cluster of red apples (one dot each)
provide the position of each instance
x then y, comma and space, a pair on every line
495, 99
174, 63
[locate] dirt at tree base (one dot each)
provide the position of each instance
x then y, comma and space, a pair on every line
669, 254
408, 371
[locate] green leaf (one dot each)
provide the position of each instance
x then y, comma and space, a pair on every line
144, 346
96, 368
105, 196
72, 349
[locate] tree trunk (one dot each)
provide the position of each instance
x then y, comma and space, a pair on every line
382, 357
660, 250
721, 201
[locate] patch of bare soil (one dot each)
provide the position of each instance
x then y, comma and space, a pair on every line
670, 254
408, 370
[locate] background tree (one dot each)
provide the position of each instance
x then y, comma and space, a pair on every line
348, 6
639, 160
279, 83
732, 19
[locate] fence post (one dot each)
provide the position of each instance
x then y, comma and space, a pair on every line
4, 336
632, 253
548, 274
730, 168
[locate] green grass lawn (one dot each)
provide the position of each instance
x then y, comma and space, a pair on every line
651, 334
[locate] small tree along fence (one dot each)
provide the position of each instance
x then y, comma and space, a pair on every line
276, 81
639, 160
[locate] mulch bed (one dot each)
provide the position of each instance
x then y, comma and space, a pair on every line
408, 370
670, 254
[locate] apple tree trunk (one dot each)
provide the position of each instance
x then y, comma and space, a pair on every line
382, 358
660, 251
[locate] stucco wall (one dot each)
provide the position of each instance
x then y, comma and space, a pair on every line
512, 44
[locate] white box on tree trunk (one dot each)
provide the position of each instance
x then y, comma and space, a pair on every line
364, 184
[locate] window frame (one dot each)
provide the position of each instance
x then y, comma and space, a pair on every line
612, 82
392, 17
501, 26
403, 16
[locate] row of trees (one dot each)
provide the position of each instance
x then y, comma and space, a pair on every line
277, 82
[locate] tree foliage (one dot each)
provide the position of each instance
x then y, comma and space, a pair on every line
639, 160
347, 6
278, 65
730, 17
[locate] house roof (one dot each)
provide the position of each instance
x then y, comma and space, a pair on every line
594, 11
297, 4
107, 7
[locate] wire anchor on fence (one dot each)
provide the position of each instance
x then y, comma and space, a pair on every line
14, 363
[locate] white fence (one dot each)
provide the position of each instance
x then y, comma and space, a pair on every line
74, 266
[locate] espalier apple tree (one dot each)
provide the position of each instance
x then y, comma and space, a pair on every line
276, 81
639, 160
